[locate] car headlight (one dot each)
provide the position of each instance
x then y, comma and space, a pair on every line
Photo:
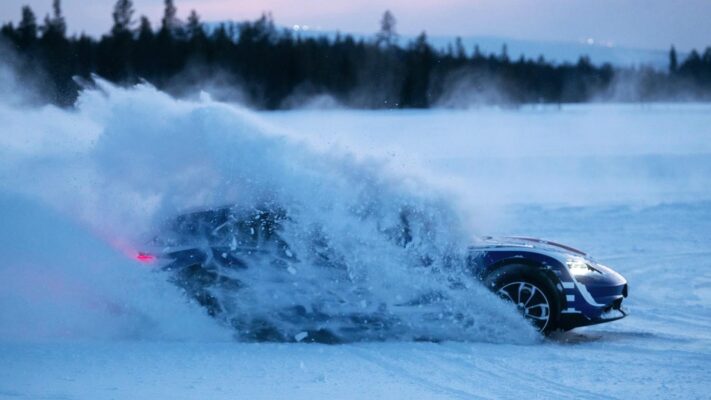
580, 266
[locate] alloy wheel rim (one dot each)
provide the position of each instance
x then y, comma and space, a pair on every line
530, 300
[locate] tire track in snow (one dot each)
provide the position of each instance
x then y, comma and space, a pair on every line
422, 379
500, 369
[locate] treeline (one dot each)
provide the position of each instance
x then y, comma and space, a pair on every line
276, 68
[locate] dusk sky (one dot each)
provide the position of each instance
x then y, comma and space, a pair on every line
630, 23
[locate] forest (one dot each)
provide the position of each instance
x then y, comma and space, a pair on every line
268, 67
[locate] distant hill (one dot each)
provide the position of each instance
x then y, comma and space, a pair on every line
563, 51
559, 52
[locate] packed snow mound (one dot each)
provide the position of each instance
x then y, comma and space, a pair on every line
372, 255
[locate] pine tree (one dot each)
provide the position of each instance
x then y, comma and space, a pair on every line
707, 57
420, 45
273, 63
55, 25
387, 35
27, 29
692, 66
56, 55
673, 62
123, 17
194, 26
144, 50
415, 90
476, 54
118, 50
504, 54
145, 30
459, 46
170, 21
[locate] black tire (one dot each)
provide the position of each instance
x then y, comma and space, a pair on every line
521, 284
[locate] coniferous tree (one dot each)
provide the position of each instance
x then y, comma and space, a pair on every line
144, 51
504, 54
194, 26
673, 63
271, 65
459, 46
56, 55
170, 21
197, 39
27, 28
55, 25
8, 31
477, 51
145, 30
118, 47
170, 58
416, 88
692, 66
387, 34
123, 18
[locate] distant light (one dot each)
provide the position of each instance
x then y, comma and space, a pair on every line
296, 27
590, 41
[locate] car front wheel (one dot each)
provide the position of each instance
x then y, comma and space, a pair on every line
532, 293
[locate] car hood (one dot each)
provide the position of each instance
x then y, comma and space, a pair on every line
532, 243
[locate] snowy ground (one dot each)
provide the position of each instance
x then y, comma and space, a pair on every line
629, 184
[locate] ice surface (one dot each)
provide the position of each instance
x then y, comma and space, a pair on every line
79, 319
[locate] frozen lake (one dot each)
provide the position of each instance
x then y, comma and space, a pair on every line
631, 184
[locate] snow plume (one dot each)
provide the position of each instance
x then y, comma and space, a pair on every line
20, 81
465, 89
376, 256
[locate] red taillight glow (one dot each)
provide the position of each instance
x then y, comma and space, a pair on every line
145, 258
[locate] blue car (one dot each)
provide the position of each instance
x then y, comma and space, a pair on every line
555, 286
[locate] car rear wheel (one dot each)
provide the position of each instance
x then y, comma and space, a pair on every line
532, 293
